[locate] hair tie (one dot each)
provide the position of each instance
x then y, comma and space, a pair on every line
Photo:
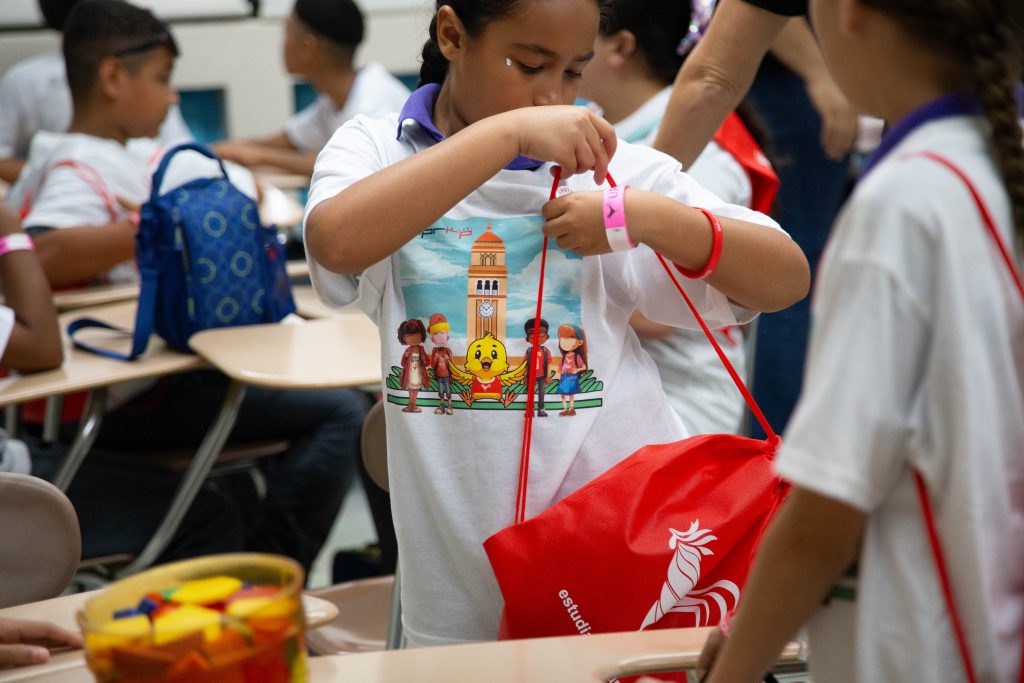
700, 17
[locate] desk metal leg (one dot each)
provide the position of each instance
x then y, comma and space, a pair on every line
396, 637
11, 420
193, 480
88, 429
52, 418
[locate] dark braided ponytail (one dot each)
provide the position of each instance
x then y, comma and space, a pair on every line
986, 37
995, 68
474, 15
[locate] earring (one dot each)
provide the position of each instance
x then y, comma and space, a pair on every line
508, 61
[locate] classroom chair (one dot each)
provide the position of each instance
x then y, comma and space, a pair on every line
370, 612
96, 572
40, 542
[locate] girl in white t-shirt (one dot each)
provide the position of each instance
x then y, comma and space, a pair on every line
916, 365
443, 209
636, 58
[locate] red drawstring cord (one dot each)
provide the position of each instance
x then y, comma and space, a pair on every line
747, 396
531, 376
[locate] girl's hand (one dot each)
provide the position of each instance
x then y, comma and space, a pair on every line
576, 221
25, 642
573, 137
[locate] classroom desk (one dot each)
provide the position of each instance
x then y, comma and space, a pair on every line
282, 180
308, 305
84, 371
315, 354
305, 355
297, 268
569, 659
70, 299
99, 295
70, 665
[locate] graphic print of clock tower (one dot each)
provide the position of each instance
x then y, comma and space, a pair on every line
488, 278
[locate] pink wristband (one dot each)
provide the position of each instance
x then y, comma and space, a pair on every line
17, 241
615, 228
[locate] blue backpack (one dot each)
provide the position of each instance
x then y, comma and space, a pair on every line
205, 261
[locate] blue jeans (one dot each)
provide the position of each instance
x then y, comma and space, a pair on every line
812, 187
305, 486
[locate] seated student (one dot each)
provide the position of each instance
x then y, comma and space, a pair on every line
320, 41
119, 502
636, 57
34, 97
119, 61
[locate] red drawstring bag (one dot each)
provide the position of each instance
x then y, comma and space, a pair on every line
664, 539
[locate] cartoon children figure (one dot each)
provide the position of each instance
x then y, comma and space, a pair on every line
543, 361
572, 341
439, 358
414, 361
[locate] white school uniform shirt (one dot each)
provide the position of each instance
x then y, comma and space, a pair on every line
916, 360
60, 197
375, 92
697, 384
453, 478
34, 96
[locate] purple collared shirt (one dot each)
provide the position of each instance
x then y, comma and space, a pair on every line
420, 107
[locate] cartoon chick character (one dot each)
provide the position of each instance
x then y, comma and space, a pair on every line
487, 372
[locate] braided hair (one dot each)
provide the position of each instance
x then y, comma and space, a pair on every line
986, 36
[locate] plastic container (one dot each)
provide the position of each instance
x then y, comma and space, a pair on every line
259, 641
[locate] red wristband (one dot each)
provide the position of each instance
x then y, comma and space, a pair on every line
716, 249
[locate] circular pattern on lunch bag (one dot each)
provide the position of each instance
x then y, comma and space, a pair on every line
241, 264
227, 309
215, 224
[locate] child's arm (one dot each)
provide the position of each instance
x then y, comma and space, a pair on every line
375, 216
71, 255
807, 547
10, 169
646, 328
760, 268
276, 151
35, 340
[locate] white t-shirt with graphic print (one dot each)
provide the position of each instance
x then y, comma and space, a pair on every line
453, 478
916, 360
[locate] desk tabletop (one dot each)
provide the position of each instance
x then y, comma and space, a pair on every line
71, 299
282, 180
99, 295
308, 305
69, 666
313, 354
83, 370
569, 659
297, 268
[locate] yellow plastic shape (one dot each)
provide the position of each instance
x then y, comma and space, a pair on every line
120, 631
185, 620
280, 606
206, 591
